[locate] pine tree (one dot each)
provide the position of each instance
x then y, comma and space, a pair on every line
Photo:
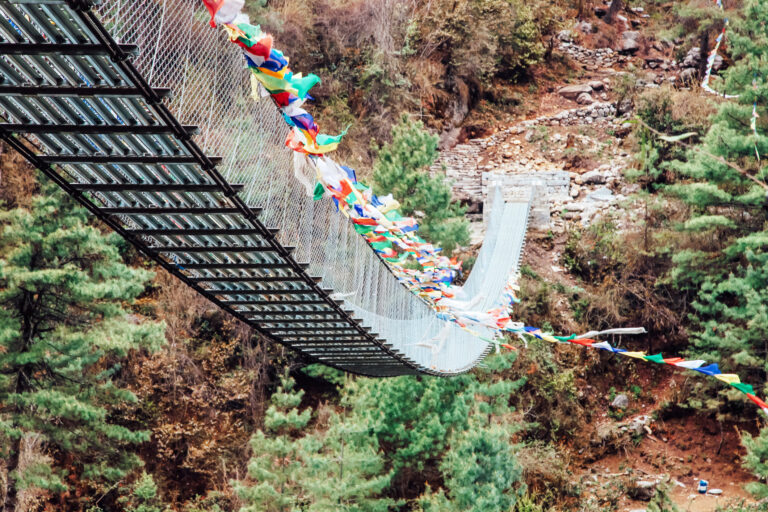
757, 462
401, 169
278, 453
413, 416
480, 472
297, 467
63, 327
144, 496
726, 264
480, 469
347, 474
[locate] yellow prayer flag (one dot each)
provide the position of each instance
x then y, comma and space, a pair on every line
728, 378
636, 355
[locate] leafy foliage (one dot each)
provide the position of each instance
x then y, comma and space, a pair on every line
483, 39
293, 466
481, 471
726, 263
401, 170
62, 324
144, 497
757, 462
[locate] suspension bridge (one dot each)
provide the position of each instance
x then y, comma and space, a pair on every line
152, 127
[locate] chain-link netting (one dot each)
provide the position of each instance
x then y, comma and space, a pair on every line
211, 89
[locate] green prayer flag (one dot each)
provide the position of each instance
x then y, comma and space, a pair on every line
402, 257
363, 230
303, 85
656, 358
393, 215
252, 34
381, 245
323, 139
319, 192
744, 388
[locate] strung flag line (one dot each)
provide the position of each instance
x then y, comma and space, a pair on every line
713, 56
698, 365
753, 121
376, 218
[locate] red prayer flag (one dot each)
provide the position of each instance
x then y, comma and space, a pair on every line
213, 7
261, 48
346, 189
759, 402
282, 98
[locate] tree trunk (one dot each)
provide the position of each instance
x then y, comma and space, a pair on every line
704, 53
22, 386
12, 465
613, 11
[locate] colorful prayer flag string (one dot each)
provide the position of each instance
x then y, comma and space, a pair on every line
753, 122
389, 234
587, 340
711, 58
377, 220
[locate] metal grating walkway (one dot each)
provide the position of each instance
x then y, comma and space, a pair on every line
73, 103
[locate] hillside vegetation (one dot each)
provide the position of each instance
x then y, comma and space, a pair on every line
123, 390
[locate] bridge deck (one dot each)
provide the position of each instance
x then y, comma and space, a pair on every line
75, 105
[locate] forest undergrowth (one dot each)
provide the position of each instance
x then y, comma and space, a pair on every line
123, 390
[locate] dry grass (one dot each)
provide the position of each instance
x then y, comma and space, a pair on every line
32, 453
17, 178
543, 466
693, 108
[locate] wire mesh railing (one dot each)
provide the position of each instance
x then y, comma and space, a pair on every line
211, 90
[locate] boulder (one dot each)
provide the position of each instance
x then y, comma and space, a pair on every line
575, 189
692, 58
601, 194
654, 58
595, 177
620, 401
630, 35
629, 46
572, 92
585, 99
585, 27
689, 76
718, 63
596, 85
638, 424
642, 490
565, 36
625, 106
574, 207
630, 42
